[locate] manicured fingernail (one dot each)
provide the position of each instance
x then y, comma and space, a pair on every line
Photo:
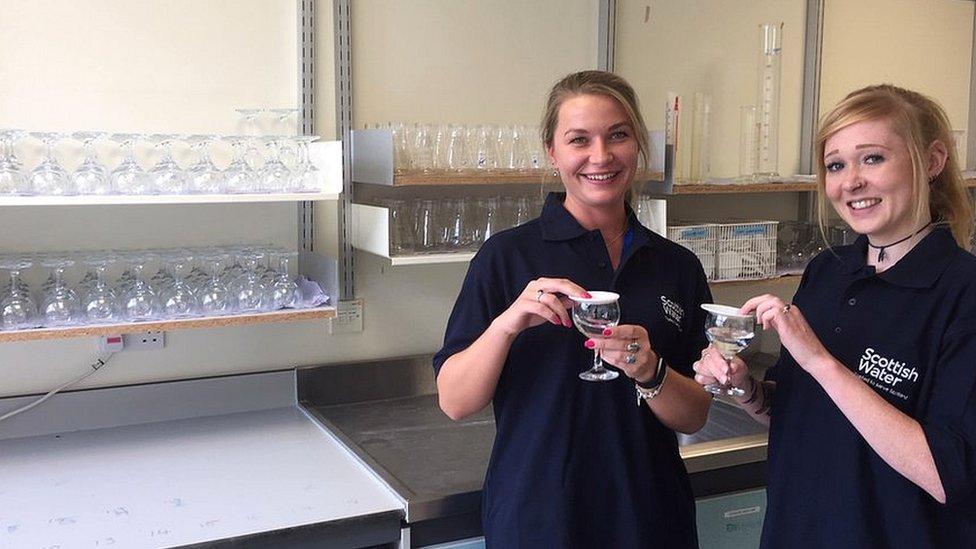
556, 322
587, 295
567, 324
590, 343
608, 332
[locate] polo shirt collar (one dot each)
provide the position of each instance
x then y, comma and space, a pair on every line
921, 268
558, 224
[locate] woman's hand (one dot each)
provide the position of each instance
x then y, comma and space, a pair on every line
628, 347
542, 300
794, 332
712, 368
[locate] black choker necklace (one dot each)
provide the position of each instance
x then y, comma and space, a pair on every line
881, 249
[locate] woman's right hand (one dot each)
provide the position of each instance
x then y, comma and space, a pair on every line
542, 300
712, 368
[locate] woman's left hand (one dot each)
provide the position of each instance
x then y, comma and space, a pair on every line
794, 332
628, 347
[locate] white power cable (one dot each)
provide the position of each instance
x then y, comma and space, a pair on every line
99, 362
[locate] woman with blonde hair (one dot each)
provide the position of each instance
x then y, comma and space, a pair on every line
872, 405
582, 463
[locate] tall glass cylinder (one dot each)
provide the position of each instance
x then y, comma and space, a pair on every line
770, 75
699, 137
748, 137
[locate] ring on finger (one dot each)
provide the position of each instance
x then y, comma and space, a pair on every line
787, 307
538, 295
695, 365
633, 346
630, 359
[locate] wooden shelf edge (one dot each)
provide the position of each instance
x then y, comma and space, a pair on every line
741, 188
419, 177
781, 279
41, 334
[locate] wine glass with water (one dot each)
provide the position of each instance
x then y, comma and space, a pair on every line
591, 316
730, 332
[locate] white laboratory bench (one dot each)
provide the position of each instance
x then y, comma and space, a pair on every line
182, 463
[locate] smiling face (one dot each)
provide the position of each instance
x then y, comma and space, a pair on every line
595, 152
869, 181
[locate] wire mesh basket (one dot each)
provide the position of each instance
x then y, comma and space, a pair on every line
740, 250
700, 238
746, 250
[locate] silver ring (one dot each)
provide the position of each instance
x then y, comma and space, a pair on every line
630, 359
538, 295
634, 346
786, 308
695, 365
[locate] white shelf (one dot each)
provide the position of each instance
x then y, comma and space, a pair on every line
326, 155
118, 200
432, 259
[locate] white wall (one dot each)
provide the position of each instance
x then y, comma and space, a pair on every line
924, 45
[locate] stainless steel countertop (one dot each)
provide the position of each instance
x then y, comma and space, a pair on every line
438, 465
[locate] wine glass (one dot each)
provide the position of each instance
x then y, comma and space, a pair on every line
91, 177
215, 298
101, 305
730, 332
139, 302
48, 178
592, 315
203, 177
305, 176
274, 176
239, 177
249, 292
177, 299
129, 177
17, 309
167, 175
59, 304
12, 179
284, 290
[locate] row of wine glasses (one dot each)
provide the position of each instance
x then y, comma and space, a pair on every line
270, 164
148, 285
454, 224
463, 147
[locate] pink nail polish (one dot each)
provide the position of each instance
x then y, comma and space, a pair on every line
608, 332
587, 295
567, 324
590, 343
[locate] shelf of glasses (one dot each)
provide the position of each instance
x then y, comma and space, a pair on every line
115, 200
420, 177
728, 187
70, 332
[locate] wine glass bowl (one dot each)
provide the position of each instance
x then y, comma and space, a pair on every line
593, 315
730, 332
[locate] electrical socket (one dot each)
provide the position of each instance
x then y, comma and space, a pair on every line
144, 341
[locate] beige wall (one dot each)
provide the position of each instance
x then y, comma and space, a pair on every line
924, 45
711, 46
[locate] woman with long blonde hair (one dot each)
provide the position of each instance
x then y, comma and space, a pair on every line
872, 405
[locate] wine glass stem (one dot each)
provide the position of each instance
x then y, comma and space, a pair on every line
597, 361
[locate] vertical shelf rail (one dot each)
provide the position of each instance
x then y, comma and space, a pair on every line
812, 56
606, 35
343, 77
306, 108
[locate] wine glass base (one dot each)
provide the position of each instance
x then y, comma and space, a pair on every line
598, 375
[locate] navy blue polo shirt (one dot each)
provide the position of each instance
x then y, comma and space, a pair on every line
578, 463
910, 334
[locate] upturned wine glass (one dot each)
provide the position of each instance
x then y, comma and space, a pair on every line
284, 290
59, 305
203, 177
305, 176
215, 299
91, 177
274, 176
250, 293
101, 305
12, 179
239, 177
129, 177
167, 175
592, 315
17, 309
48, 178
178, 299
730, 332
139, 302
